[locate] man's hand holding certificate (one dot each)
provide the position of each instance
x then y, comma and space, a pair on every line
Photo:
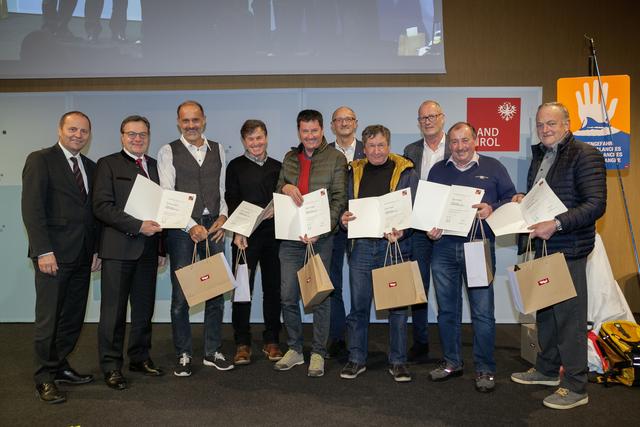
377, 216
247, 217
311, 219
446, 207
149, 201
540, 204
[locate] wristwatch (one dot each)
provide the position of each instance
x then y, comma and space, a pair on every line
558, 224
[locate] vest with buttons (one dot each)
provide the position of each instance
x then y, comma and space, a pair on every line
203, 181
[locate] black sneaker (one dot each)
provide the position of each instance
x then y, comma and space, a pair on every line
444, 372
400, 372
485, 382
352, 370
418, 353
183, 367
218, 361
336, 349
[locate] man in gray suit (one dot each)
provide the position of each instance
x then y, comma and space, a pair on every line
424, 153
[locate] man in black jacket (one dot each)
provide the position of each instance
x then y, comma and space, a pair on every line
130, 250
575, 171
56, 210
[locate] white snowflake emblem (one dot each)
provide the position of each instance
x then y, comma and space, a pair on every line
507, 111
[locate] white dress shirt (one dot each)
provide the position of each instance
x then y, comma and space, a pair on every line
348, 152
431, 157
69, 155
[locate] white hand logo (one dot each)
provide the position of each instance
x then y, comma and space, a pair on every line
591, 107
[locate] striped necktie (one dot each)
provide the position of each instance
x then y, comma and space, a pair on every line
78, 177
141, 167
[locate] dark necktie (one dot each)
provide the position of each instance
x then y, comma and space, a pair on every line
78, 176
141, 167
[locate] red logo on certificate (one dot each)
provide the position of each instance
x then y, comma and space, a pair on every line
497, 121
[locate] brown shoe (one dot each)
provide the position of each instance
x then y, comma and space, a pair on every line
243, 355
272, 351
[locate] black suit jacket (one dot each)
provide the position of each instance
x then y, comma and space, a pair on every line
358, 152
57, 217
121, 238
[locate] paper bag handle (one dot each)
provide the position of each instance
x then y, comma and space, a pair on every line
393, 254
528, 254
195, 250
242, 256
477, 222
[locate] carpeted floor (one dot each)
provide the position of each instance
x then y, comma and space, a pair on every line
257, 395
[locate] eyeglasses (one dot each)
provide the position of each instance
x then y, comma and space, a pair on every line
429, 118
344, 120
132, 135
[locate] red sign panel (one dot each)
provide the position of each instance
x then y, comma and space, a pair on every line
497, 121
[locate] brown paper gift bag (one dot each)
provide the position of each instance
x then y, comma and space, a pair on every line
477, 258
314, 281
206, 278
398, 284
540, 283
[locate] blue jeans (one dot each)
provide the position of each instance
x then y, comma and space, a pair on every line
180, 250
336, 331
422, 248
368, 254
449, 276
291, 260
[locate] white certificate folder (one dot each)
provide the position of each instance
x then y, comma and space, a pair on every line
540, 204
246, 218
378, 215
149, 201
447, 207
313, 218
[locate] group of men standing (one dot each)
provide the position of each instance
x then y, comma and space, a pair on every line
73, 211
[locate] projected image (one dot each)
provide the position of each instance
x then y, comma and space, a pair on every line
89, 38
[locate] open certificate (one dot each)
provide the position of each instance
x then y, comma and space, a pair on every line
149, 201
378, 215
540, 204
247, 217
313, 218
447, 207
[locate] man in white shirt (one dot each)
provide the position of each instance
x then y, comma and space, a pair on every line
344, 124
424, 153
195, 165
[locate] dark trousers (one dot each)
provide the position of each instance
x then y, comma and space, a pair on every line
93, 11
61, 301
338, 315
263, 248
562, 333
56, 14
422, 247
123, 281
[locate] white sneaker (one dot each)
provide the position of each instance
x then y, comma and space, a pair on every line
290, 359
316, 366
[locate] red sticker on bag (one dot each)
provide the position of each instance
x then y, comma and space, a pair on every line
543, 281
205, 277
393, 284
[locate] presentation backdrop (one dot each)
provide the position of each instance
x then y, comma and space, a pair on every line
28, 121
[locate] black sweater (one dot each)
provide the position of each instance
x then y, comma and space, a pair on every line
250, 182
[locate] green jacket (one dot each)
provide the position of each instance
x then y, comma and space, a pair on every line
328, 170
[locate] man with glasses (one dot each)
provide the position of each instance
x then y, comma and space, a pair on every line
131, 252
425, 153
195, 165
344, 124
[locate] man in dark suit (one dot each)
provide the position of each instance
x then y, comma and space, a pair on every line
344, 124
129, 248
424, 153
56, 210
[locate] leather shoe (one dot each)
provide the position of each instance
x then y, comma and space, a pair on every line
243, 355
115, 380
69, 376
49, 393
272, 351
147, 367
